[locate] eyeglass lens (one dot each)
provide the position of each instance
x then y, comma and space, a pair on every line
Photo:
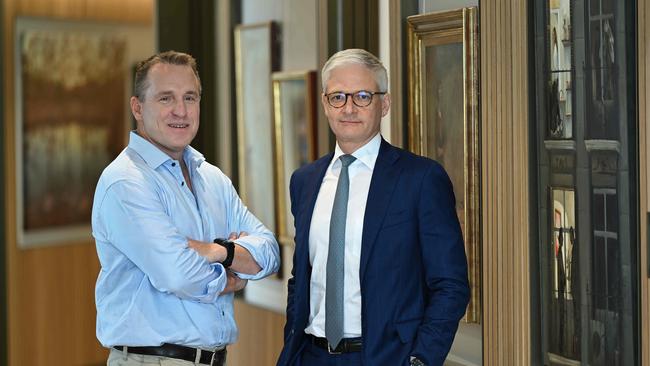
360, 99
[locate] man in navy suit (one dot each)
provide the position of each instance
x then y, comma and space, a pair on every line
379, 274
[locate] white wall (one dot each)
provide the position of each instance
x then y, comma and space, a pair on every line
299, 27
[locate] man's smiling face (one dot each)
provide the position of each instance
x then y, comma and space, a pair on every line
169, 114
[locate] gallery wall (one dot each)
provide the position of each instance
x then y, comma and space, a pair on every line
51, 311
261, 325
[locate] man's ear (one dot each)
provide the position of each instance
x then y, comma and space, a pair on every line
323, 100
136, 108
385, 104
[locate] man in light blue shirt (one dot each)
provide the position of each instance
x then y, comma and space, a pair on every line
165, 288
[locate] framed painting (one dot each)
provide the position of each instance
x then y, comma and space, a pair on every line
444, 116
72, 86
256, 57
294, 104
255, 54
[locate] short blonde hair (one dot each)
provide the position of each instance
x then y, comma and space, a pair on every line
356, 56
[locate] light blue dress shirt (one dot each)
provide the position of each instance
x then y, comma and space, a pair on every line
152, 288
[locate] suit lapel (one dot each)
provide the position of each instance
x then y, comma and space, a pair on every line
308, 197
382, 185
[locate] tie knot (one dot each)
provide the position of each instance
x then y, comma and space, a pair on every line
347, 159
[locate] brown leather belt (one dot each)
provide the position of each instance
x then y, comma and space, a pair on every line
216, 358
346, 345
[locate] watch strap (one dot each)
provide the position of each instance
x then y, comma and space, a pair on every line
230, 251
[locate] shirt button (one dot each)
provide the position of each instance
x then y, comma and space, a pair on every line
182, 183
173, 164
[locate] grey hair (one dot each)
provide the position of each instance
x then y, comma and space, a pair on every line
360, 57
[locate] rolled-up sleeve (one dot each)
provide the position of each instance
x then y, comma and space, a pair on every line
260, 241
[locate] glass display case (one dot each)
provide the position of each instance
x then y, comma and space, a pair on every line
585, 131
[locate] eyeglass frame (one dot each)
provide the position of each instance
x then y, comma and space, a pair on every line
372, 94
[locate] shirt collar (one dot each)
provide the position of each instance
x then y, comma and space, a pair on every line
154, 157
367, 154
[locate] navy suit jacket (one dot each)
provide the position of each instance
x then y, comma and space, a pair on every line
413, 270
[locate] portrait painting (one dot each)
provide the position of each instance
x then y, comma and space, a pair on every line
443, 116
446, 133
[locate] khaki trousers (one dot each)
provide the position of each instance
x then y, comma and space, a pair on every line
119, 358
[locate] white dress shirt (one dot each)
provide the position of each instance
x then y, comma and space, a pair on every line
360, 173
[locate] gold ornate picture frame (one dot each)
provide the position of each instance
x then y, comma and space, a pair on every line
443, 73
294, 104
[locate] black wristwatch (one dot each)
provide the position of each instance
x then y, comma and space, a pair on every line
416, 362
230, 251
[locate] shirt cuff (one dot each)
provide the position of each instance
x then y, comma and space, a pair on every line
216, 286
264, 251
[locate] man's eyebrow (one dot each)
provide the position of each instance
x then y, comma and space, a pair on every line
169, 92
163, 93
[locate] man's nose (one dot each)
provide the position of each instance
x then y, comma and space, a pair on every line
180, 109
349, 106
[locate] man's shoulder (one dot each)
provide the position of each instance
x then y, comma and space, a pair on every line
128, 167
410, 159
124, 171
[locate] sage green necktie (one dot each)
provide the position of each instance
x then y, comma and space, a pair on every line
336, 258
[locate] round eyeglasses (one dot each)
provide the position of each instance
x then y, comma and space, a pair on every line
362, 98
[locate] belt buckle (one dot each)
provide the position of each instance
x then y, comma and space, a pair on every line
332, 351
